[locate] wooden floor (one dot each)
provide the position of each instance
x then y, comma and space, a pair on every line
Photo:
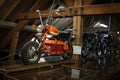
44, 71
20, 67
108, 67
22, 72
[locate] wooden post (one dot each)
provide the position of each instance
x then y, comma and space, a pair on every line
78, 27
13, 46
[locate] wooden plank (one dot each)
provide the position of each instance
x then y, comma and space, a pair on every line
2, 2
69, 3
6, 23
7, 8
10, 25
13, 69
101, 9
39, 5
77, 2
78, 68
13, 46
92, 73
32, 9
87, 2
92, 10
6, 77
40, 74
25, 7
6, 40
77, 25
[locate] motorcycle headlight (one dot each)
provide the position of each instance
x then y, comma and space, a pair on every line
40, 28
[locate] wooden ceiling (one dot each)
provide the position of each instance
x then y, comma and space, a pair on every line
16, 14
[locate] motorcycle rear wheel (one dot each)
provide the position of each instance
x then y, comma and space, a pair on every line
30, 54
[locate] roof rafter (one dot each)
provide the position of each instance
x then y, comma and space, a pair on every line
25, 6
7, 8
2, 2
77, 11
10, 25
87, 2
69, 3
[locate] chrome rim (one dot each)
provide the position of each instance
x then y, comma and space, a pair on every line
32, 54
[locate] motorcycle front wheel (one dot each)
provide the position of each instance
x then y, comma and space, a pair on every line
30, 53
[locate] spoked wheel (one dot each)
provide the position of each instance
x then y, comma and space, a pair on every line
30, 53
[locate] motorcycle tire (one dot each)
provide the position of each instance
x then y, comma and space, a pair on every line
30, 54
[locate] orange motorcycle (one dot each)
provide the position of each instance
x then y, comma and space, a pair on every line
48, 41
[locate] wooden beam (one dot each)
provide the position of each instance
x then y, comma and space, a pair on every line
7, 8
13, 46
11, 25
25, 7
77, 2
6, 40
7, 24
77, 24
78, 27
69, 3
2, 2
39, 5
101, 9
87, 2
18, 27
33, 15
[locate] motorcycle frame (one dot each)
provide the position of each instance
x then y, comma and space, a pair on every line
42, 43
